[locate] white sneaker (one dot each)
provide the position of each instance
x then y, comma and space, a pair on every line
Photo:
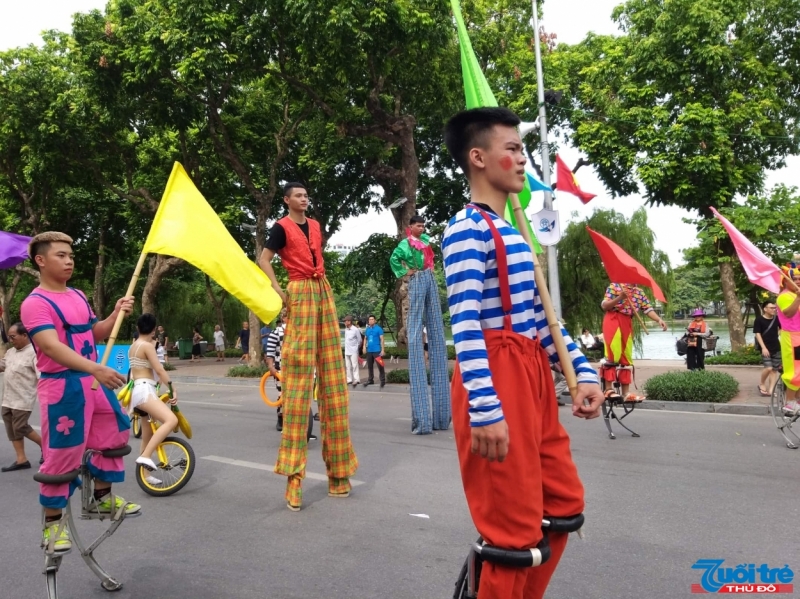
152, 480
147, 463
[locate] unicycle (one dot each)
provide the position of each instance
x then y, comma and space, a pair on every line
84, 479
469, 577
783, 419
175, 463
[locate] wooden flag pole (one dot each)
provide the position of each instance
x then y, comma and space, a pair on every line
638, 316
121, 316
552, 320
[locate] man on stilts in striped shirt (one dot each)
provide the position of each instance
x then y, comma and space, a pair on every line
312, 341
515, 459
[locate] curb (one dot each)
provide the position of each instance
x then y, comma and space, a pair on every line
705, 407
251, 382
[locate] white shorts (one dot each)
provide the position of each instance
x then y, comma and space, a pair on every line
143, 390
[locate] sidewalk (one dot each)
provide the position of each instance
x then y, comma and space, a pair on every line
747, 376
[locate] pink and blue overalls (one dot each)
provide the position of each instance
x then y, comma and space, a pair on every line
73, 416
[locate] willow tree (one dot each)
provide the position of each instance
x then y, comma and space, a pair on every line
583, 278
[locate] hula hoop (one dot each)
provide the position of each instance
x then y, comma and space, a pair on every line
262, 387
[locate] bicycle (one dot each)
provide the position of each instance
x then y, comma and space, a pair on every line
783, 420
136, 425
469, 577
52, 559
175, 463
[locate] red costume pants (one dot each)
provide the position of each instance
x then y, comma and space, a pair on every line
538, 477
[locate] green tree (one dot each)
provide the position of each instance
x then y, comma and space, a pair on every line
694, 288
691, 106
583, 278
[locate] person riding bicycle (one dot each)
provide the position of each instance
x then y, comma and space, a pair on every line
74, 416
144, 398
514, 455
789, 318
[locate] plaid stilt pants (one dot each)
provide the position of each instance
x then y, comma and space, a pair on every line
424, 306
313, 341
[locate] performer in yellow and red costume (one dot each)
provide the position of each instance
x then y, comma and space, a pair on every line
312, 342
789, 318
619, 304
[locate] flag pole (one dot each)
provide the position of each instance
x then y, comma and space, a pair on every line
121, 316
568, 370
638, 316
552, 253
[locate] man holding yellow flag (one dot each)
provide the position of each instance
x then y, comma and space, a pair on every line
312, 342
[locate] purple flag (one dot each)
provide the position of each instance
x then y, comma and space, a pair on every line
13, 249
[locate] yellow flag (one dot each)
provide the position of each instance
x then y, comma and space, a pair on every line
186, 227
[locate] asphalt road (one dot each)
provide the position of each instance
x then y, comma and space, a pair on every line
693, 486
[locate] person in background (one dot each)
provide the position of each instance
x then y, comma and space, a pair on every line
374, 348
19, 394
590, 342
698, 331
352, 341
163, 339
244, 342
265, 333
196, 339
219, 343
767, 332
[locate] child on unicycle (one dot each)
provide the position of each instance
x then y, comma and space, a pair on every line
145, 366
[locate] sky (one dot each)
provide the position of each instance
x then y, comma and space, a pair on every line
570, 20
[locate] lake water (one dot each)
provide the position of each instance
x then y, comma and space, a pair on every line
660, 345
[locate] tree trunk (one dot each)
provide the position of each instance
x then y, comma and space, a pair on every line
99, 295
218, 303
159, 267
732, 306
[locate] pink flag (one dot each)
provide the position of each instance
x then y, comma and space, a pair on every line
759, 269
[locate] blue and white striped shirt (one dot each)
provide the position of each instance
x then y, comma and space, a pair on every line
473, 293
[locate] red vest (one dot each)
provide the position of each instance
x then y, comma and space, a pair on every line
296, 255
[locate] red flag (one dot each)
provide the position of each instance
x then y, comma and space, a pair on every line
567, 182
621, 268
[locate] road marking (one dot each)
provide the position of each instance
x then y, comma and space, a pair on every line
211, 403
269, 468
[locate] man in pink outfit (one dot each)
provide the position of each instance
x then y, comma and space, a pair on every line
64, 330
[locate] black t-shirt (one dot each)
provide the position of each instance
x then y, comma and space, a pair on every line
277, 238
770, 336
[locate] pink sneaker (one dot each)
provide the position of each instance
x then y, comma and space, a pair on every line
791, 408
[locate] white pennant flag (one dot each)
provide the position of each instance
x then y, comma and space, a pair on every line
548, 227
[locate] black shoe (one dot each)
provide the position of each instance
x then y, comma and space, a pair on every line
15, 466
312, 438
368, 383
383, 385
279, 424
316, 416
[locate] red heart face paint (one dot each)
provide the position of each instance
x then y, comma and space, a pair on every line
506, 163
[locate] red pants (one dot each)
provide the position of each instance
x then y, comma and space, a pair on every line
507, 501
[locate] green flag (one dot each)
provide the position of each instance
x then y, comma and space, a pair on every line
479, 94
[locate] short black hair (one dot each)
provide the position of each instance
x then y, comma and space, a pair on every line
468, 129
21, 330
146, 324
766, 303
287, 189
371, 316
416, 219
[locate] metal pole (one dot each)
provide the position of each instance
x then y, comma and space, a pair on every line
552, 258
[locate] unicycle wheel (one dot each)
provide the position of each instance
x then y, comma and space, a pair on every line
136, 425
172, 476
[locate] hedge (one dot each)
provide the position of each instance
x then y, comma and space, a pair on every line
748, 357
401, 376
692, 385
244, 371
402, 352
